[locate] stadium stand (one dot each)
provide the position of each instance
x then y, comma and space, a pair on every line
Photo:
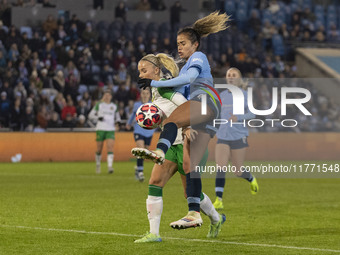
52, 71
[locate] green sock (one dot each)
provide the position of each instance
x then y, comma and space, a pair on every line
155, 191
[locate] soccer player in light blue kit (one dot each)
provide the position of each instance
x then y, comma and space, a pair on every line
196, 77
142, 136
232, 139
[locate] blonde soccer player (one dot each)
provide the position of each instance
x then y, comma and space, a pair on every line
157, 67
106, 114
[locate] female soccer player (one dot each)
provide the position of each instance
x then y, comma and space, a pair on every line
195, 74
142, 136
154, 67
232, 139
106, 115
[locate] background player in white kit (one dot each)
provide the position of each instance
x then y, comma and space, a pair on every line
106, 114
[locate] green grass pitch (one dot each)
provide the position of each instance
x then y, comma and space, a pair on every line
65, 208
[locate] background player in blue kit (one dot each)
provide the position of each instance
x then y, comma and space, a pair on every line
232, 140
142, 136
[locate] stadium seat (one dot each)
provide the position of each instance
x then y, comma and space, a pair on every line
242, 5
128, 35
128, 26
229, 7
278, 45
102, 25
241, 19
114, 35
318, 8
152, 26
266, 15
115, 25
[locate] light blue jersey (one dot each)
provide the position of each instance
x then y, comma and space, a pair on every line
138, 129
237, 131
200, 62
193, 74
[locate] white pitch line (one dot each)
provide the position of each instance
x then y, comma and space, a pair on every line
175, 238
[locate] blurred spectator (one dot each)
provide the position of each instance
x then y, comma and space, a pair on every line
157, 5
81, 123
121, 76
3, 33
50, 24
59, 103
61, 34
3, 62
143, 5
20, 90
47, 4
13, 53
25, 53
54, 122
254, 25
107, 73
82, 108
108, 52
132, 73
28, 119
5, 12
69, 109
35, 44
89, 35
17, 113
175, 15
97, 53
267, 35
308, 15
120, 11
274, 7
72, 86
5, 107
69, 121
98, 93
13, 38
98, 4
119, 59
333, 34
283, 31
59, 81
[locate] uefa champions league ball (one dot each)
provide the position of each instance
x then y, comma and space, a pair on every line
149, 116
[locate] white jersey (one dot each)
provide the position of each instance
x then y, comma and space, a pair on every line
109, 114
167, 108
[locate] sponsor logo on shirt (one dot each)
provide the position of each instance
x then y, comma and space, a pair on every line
197, 59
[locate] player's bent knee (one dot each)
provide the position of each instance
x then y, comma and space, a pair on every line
156, 181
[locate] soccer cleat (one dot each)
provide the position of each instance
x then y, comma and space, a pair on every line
191, 220
156, 156
215, 229
98, 170
218, 204
140, 176
254, 187
110, 171
149, 238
